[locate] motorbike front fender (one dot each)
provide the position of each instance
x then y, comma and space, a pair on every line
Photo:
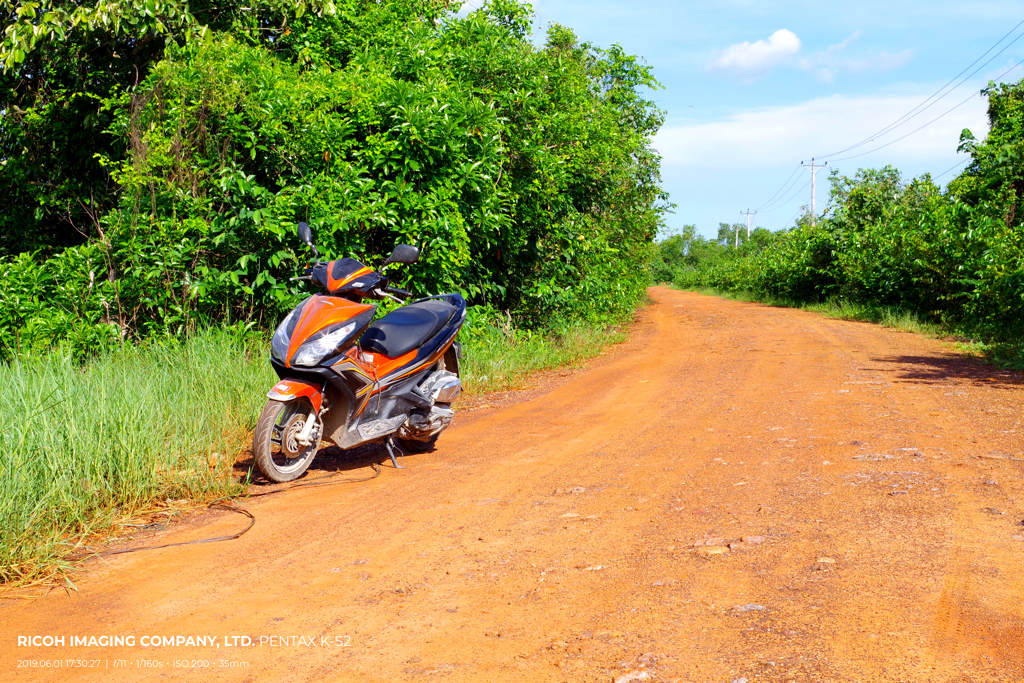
291, 389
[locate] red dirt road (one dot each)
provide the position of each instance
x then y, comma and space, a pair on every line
875, 475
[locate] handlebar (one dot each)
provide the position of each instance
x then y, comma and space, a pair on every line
398, 292
307, 273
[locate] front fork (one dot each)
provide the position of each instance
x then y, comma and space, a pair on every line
291, 389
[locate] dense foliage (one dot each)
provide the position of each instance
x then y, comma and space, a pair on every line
686, 254
955, 256
154, 171
64, 63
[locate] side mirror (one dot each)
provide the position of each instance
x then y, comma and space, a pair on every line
306, 236
404, 253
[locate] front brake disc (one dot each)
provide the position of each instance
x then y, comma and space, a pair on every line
290, 445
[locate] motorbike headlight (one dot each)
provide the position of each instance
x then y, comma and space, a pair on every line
327, 341
282, 335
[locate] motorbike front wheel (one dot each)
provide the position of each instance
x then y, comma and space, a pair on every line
276, 449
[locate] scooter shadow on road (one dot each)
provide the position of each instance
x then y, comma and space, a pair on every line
328, 461
334, 459
945, 369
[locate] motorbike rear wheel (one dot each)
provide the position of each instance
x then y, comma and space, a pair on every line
415, 446
449, 362
278, 454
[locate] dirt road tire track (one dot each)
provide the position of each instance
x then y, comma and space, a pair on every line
870, 471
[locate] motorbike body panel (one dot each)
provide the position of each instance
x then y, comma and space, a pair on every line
291, 389
317, 317
348, 277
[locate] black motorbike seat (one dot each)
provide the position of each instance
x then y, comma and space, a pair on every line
405, 328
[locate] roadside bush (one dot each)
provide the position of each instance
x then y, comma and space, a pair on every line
523, 173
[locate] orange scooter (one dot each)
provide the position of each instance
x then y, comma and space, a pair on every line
349, 380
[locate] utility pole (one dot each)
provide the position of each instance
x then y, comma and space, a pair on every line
814, 172
748, 213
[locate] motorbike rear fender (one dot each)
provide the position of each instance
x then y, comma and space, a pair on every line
291, 389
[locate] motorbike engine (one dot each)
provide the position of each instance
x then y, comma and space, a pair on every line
441, 387
422, 425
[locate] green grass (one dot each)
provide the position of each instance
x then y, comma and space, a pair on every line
886, 316
1007, 354
85, 446
497, 358
1002, 354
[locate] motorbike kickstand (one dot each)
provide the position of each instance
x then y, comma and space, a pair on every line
391, 446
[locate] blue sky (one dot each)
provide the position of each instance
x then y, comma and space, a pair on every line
752, 88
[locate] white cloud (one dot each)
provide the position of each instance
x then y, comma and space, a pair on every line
830, 61
748, 61
753, 59
767, 136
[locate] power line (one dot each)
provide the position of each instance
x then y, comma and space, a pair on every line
892, 142
791, 220
951, 169
781, 189
789, 199
911, 114
765, 208
973, 95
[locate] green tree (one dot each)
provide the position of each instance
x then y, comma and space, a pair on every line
996, 171
524, 173
65, 65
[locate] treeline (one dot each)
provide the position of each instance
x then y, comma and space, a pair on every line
954, 256
686, 253
155, 158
